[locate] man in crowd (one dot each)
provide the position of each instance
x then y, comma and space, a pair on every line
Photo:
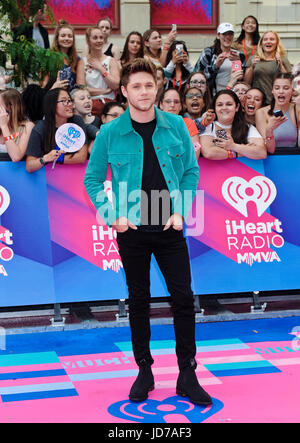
35, 31
150, 154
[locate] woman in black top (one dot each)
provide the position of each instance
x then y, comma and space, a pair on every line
41, 149
111, 49
178, 67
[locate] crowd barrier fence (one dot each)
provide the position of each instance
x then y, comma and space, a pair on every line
53, 248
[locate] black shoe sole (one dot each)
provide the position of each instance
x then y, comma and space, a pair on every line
139, 399
197, 402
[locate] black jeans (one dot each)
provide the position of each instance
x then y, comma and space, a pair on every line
171, 253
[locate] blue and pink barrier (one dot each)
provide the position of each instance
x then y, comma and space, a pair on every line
54, 249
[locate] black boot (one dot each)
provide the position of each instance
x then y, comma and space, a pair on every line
188, 386
143, 383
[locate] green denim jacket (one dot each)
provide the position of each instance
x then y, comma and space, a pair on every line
119, 146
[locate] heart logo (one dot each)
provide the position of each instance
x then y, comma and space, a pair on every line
238, 192
155, 411
4, 200
73, 133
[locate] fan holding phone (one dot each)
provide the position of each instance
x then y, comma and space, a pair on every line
178, 67
219, 61
278, 122
230, 136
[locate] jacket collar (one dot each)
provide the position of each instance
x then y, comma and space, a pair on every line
126, 125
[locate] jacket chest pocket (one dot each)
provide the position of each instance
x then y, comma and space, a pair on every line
120, 165
176, 158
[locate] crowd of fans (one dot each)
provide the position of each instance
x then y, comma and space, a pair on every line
239, 99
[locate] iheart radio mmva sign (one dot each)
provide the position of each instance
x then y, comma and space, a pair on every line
251, 240
238, 193
236, 221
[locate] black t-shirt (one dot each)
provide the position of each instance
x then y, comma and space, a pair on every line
155, 200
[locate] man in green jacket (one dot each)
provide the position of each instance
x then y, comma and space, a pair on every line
154, 180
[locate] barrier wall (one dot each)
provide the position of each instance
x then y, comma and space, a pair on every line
53, 249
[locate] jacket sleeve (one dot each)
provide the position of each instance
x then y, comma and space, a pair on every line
95, 177
189, 181
207, 64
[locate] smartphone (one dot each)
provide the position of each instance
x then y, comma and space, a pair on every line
236, 65
174, 27
278, 113
179, 47
234, 52
221, 133
63, 75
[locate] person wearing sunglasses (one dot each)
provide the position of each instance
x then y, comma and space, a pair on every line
198, 80
194, 107
41, 148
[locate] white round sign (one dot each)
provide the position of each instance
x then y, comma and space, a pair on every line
70, 137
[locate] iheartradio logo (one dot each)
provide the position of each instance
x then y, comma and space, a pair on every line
4, 200
238, 192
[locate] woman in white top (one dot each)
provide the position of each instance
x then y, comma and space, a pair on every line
14, 129
102, 73
230, 136
105, 25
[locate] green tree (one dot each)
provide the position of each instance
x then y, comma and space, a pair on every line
26, 57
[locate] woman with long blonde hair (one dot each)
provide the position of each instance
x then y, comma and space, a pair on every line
101, 72
267, 63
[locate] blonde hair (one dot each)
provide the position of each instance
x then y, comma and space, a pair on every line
72, 53
88, 34
279, 47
